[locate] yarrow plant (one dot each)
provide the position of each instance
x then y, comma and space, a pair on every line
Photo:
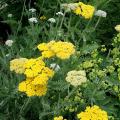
37, 74
63, 70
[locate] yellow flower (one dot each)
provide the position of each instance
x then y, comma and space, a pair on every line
31, 89
117, 28
43, 17
40, 90
37, 90
40, 80
93, 113
84, 10
22, 86
17, 65
36, 69
62, 50
78, 11
37, 77
29, 63
49, 72
29, 73
47, 54
33, 67
59, 118
43, 47
76, 78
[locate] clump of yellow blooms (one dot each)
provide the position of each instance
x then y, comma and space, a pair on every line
31, 89
35, 70
59, 118
80, 8
37, 77
84, 10
17, 65
76, 78
62, 50
93, 113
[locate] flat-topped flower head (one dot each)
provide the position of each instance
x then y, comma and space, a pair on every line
31, 89
32, 10
80, 8
100, 13
33, 20
9, 43
117, 28
76, 78
93, 113
35, 67
59, 14
52, 20
17, 65
62, 50
84, 10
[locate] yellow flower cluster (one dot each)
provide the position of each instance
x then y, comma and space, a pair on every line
31, 89
37, 77
17, 65
80, 8
37, 74
59, 118
62, 50
84, 10
43, 18
93, 113
76, 78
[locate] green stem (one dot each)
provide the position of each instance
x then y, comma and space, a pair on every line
19, 24
62, 20
94, 92
109, 53
98, 21
84, 41
72, 92
25, 106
